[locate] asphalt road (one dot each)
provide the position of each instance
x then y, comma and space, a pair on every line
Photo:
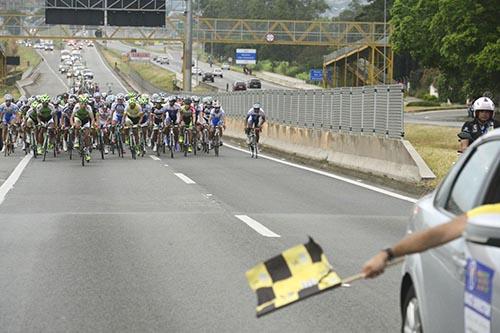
174, 53
450, 118
124, 245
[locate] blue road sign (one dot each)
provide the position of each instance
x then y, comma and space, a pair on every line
316, 75
246, 56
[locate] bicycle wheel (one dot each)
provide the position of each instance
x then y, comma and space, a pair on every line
186, 142
119, 142
132, 144
159, 143
171, 143
256, 146
101, 144
216, 142
82, 148
70, 144
45, 143
195, 141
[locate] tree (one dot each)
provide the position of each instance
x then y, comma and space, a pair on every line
460, 38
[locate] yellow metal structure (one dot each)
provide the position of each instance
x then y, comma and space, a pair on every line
363, 55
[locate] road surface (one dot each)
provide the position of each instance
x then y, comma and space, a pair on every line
124, 245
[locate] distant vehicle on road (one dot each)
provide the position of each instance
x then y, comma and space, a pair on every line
208, 77
218, 72
162, 60
254, 84
225, 66
239, 86
433, 283
90, 44
88, 74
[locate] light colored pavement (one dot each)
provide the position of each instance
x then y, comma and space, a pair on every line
450, 118
175, 54
123, 245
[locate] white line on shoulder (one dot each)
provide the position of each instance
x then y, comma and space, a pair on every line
331, 175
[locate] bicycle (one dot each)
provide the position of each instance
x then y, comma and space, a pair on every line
48, 136
117, 142
216, 140
205, 139
186, 144
100, 141
159, 139
171, 139
135, 148
253, 145
9, 142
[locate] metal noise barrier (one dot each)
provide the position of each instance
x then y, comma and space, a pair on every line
375, 110
370, 110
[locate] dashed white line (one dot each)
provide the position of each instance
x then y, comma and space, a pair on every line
185, 178
156, 158
166, 165
257, 226
14, 176
331, 175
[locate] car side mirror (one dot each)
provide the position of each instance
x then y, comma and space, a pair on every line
483, 232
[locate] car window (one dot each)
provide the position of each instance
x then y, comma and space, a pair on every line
473, 178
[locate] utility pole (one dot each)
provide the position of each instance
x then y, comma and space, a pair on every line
188, 45
385, 41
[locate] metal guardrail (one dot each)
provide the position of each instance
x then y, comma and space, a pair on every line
374, 110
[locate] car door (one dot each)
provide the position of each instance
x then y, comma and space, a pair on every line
443, 267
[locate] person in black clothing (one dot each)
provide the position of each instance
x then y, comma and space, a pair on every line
483, 122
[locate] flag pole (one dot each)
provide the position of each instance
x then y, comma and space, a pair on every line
361, 276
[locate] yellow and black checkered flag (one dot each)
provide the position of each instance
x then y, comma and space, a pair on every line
295, 274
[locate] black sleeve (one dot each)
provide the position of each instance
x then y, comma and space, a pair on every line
465, 133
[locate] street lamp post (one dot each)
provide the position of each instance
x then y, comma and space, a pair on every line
188, 46
385, 40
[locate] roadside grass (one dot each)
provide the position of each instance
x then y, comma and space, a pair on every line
12, 90
29, 58
433, 108
157, 76
437, 146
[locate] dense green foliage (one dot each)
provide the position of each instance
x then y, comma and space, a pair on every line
459, 37
423, 103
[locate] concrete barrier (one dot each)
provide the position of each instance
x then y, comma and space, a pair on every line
27, 81
393, 158
285, 81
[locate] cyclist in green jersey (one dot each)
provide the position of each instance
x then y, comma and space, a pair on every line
83, 117
187, 114
46, 118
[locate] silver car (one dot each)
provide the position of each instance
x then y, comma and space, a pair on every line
432, 288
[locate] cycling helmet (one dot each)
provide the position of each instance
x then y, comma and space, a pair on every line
172, 99
216, 104
23, 99
45, 99
71, 101
256, 106
188, 101
120, 96
34, 105
31, 100
130, 95
155, 98
110, 99
195, 99
83, 99
55, 100
132, 101
8, 97
144, 99
484, 104
104, 94
65, 96
97, 94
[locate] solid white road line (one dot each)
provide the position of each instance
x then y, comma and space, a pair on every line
156, 158
331, 175
52, 70
257, 226
14, 176
185, 178
111, 71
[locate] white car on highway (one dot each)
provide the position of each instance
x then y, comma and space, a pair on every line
433, 283
218, 72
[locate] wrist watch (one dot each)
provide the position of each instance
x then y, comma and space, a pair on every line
390, 253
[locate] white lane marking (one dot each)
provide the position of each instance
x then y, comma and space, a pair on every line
257, 226
112, 73
52, 70
156, 158
14, 176
185, 178
166, 165
331, 175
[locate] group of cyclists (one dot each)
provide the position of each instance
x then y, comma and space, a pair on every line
107, 122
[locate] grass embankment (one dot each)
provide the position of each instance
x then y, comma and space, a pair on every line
433, 108
29, 58
157, 76
437, 146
